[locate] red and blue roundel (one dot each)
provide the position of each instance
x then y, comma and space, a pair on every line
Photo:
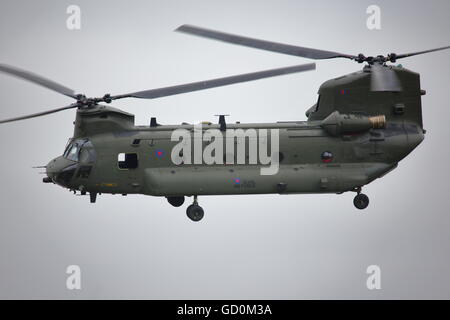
159, 153
326, 156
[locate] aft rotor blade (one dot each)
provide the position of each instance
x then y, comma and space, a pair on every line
37, 79
202, 85
384, 78
400, 56
262, 44
35, 115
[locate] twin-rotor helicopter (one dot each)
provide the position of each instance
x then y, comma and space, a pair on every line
361, 127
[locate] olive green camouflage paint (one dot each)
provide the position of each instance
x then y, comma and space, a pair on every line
358, 157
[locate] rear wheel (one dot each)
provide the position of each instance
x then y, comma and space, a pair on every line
361, 201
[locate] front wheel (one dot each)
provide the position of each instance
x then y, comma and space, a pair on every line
195, 212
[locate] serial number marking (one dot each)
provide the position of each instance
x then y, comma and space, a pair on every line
245, 184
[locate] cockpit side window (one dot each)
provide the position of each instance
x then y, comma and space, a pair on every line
66, 151
72, 153
87, 153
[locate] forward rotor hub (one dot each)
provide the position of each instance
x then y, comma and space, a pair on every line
84, 102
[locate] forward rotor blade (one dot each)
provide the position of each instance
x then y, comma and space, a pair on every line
262, 44
202, 85
37, 79
400, 56
34, 115
384, 79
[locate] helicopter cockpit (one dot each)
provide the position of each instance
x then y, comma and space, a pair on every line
76, 162
80, 150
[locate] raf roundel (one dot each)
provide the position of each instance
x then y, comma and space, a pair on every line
327, 156
159, 153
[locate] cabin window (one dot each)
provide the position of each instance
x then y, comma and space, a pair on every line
127, 160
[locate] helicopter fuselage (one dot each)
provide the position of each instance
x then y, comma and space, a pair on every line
339, 148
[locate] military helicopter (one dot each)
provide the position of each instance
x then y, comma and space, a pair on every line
361, 127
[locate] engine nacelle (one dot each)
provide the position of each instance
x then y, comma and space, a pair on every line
337, 124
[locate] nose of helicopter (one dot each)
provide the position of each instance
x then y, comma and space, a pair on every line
60, 170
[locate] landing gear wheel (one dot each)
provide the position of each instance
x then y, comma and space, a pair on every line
361, 201
195, 212
176, 201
